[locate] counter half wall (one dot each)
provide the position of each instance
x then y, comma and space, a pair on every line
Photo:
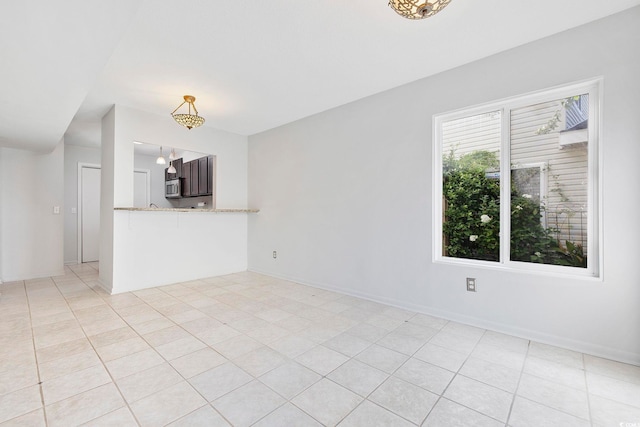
155, 247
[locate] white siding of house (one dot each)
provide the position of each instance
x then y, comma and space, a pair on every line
565, 198
469, 134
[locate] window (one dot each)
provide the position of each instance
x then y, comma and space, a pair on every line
516, 183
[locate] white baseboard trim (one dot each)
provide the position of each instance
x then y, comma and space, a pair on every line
223, 271
107, 289
528, 334
33, 276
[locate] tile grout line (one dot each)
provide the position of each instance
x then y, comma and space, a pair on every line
515, 392
286, 400
209, 404
558, 384
98, 355
35, 354
104, 366
292, 360
392, 373
455, 375
192, 335
586, 384
128, 405
389, 375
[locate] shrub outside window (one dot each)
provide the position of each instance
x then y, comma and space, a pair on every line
516, 183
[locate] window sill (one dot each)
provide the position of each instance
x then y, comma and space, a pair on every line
557, 271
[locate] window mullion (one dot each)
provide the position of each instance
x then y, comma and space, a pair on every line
505, 186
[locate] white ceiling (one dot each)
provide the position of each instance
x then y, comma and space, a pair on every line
251, 65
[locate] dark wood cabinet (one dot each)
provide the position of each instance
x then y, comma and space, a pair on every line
211, 174
196, 175
186, 179
203, 180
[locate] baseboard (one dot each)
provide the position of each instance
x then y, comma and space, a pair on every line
107, 289
34, 276
528, 334
121, 288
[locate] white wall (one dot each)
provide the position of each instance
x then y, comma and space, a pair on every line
345, 197
107, 197
32, 235
73, 155
118, 272
1, 204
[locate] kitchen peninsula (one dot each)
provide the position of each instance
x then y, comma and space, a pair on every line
162, 246
147, 247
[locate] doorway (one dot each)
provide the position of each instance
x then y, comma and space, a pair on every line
89, 207
88, 212
141, 188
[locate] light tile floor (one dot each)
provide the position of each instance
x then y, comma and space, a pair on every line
247, 349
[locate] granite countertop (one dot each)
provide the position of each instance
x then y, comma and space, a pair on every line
189, 210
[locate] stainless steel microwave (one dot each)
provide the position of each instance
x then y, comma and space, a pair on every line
172, 189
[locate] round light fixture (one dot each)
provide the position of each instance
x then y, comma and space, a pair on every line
418, 9
188, 120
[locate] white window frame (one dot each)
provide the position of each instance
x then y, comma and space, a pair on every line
544, 184
592, 87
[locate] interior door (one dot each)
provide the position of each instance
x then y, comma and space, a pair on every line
141, 197
90, 214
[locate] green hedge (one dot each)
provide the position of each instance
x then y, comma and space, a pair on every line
471, 228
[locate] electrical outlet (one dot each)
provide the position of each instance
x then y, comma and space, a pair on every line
275, 254
471, 284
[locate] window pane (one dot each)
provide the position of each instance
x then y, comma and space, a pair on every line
471, 187
549, 182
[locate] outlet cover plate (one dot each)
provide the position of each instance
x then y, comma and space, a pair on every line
471, 284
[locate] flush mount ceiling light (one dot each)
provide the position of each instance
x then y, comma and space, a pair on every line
418, 9
161, 160
188, 120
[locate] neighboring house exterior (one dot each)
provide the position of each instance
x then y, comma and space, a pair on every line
549, 157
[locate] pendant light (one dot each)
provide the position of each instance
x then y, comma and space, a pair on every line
188, 120
161, 160
172, 157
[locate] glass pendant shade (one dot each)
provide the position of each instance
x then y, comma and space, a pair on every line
188, 120
418, 9
171, 169
172, 155
161, 160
